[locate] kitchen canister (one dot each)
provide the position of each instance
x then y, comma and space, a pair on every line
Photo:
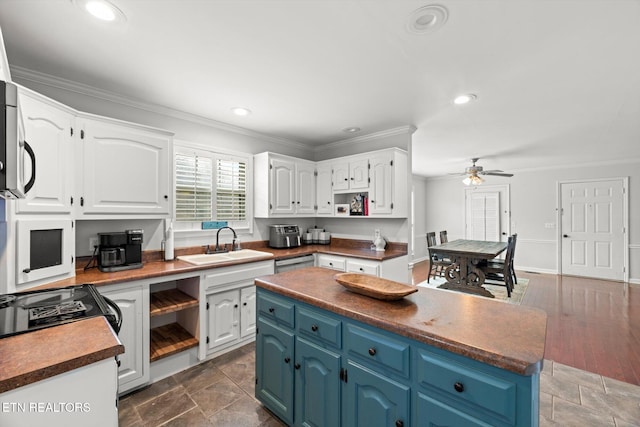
315, 234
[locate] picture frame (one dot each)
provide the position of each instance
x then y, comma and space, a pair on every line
342, 209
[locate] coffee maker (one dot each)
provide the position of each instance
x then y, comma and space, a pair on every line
120, 250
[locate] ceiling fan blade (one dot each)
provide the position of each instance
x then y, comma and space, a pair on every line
457, 173
497, 174
493, 170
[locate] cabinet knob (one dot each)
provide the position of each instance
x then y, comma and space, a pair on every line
166, 197
314, 328
351, 178
235, 306
244, 303
287, 359
399, 423
328, 203
297, 366
271, 309
372, 351
372, 201
361, 269
459, 387
331, 264
346, 179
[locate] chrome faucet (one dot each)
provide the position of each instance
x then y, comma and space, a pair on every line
224, 249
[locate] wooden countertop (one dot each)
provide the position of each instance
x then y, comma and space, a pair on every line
38, 355
342, 247
493, 332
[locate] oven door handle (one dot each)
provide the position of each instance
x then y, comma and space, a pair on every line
117, 310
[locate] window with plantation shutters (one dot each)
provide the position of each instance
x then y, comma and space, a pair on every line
212, 186
231, 190
193, 188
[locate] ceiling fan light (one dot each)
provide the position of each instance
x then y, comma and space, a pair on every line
473, 180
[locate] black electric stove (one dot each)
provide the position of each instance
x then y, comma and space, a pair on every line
32, 310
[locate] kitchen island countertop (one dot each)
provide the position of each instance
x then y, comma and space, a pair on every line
493, 332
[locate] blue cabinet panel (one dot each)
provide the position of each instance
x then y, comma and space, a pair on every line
377, 348
432, 413
469, 386
274, 370
276, 309
318, 327
374, 400
317, 384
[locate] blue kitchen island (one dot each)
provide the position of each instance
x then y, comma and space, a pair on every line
326, 356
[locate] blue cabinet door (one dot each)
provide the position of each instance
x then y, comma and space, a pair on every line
274, 370
374, 400
433, 413
318, 385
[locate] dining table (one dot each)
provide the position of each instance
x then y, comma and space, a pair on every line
465, 274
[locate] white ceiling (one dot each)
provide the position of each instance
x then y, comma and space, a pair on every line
558, 82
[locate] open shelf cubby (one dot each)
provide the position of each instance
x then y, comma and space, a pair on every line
173, 311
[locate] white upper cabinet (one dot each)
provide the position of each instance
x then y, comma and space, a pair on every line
305, 187
124, 170
283, 186
388, 191
351, 175
48, 127
286, 186
324, 192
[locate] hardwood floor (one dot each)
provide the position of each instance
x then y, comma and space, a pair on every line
593, 325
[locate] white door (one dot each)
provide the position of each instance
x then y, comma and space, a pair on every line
282, 187
381, 185
125, 169
224, 322
592, 229
48, 129
248, 311
324, 193
487, 213
305, 188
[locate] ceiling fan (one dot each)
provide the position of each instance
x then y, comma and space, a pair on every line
473, 173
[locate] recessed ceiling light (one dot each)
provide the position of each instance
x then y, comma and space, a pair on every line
101, 9
241, 111
427, 19
464, 99
353, 129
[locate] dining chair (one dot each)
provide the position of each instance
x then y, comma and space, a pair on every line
498, 263
443, 237
437, 264
502, 271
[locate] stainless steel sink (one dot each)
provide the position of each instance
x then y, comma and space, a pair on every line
242, 254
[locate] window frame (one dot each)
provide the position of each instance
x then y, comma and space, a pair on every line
194, 228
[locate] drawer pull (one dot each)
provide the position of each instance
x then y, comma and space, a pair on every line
287, 359
271, 309
314, 328
372, 351
297, 366
459, 387
399, 423
361, 269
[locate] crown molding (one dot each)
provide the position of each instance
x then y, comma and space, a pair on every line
409, 129
86, 90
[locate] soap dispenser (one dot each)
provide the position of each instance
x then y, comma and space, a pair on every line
379, 242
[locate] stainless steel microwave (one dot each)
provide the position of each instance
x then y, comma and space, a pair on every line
13, 147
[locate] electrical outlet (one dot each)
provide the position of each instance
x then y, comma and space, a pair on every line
93, 242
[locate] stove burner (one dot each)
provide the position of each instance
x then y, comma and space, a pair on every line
65, 310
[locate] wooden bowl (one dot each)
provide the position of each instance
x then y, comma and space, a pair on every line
375, 287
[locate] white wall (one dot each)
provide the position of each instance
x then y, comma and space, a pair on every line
533, 203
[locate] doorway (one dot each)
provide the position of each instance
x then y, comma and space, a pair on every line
593, 228
487, 213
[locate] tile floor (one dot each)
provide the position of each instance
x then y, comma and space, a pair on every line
220, 393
